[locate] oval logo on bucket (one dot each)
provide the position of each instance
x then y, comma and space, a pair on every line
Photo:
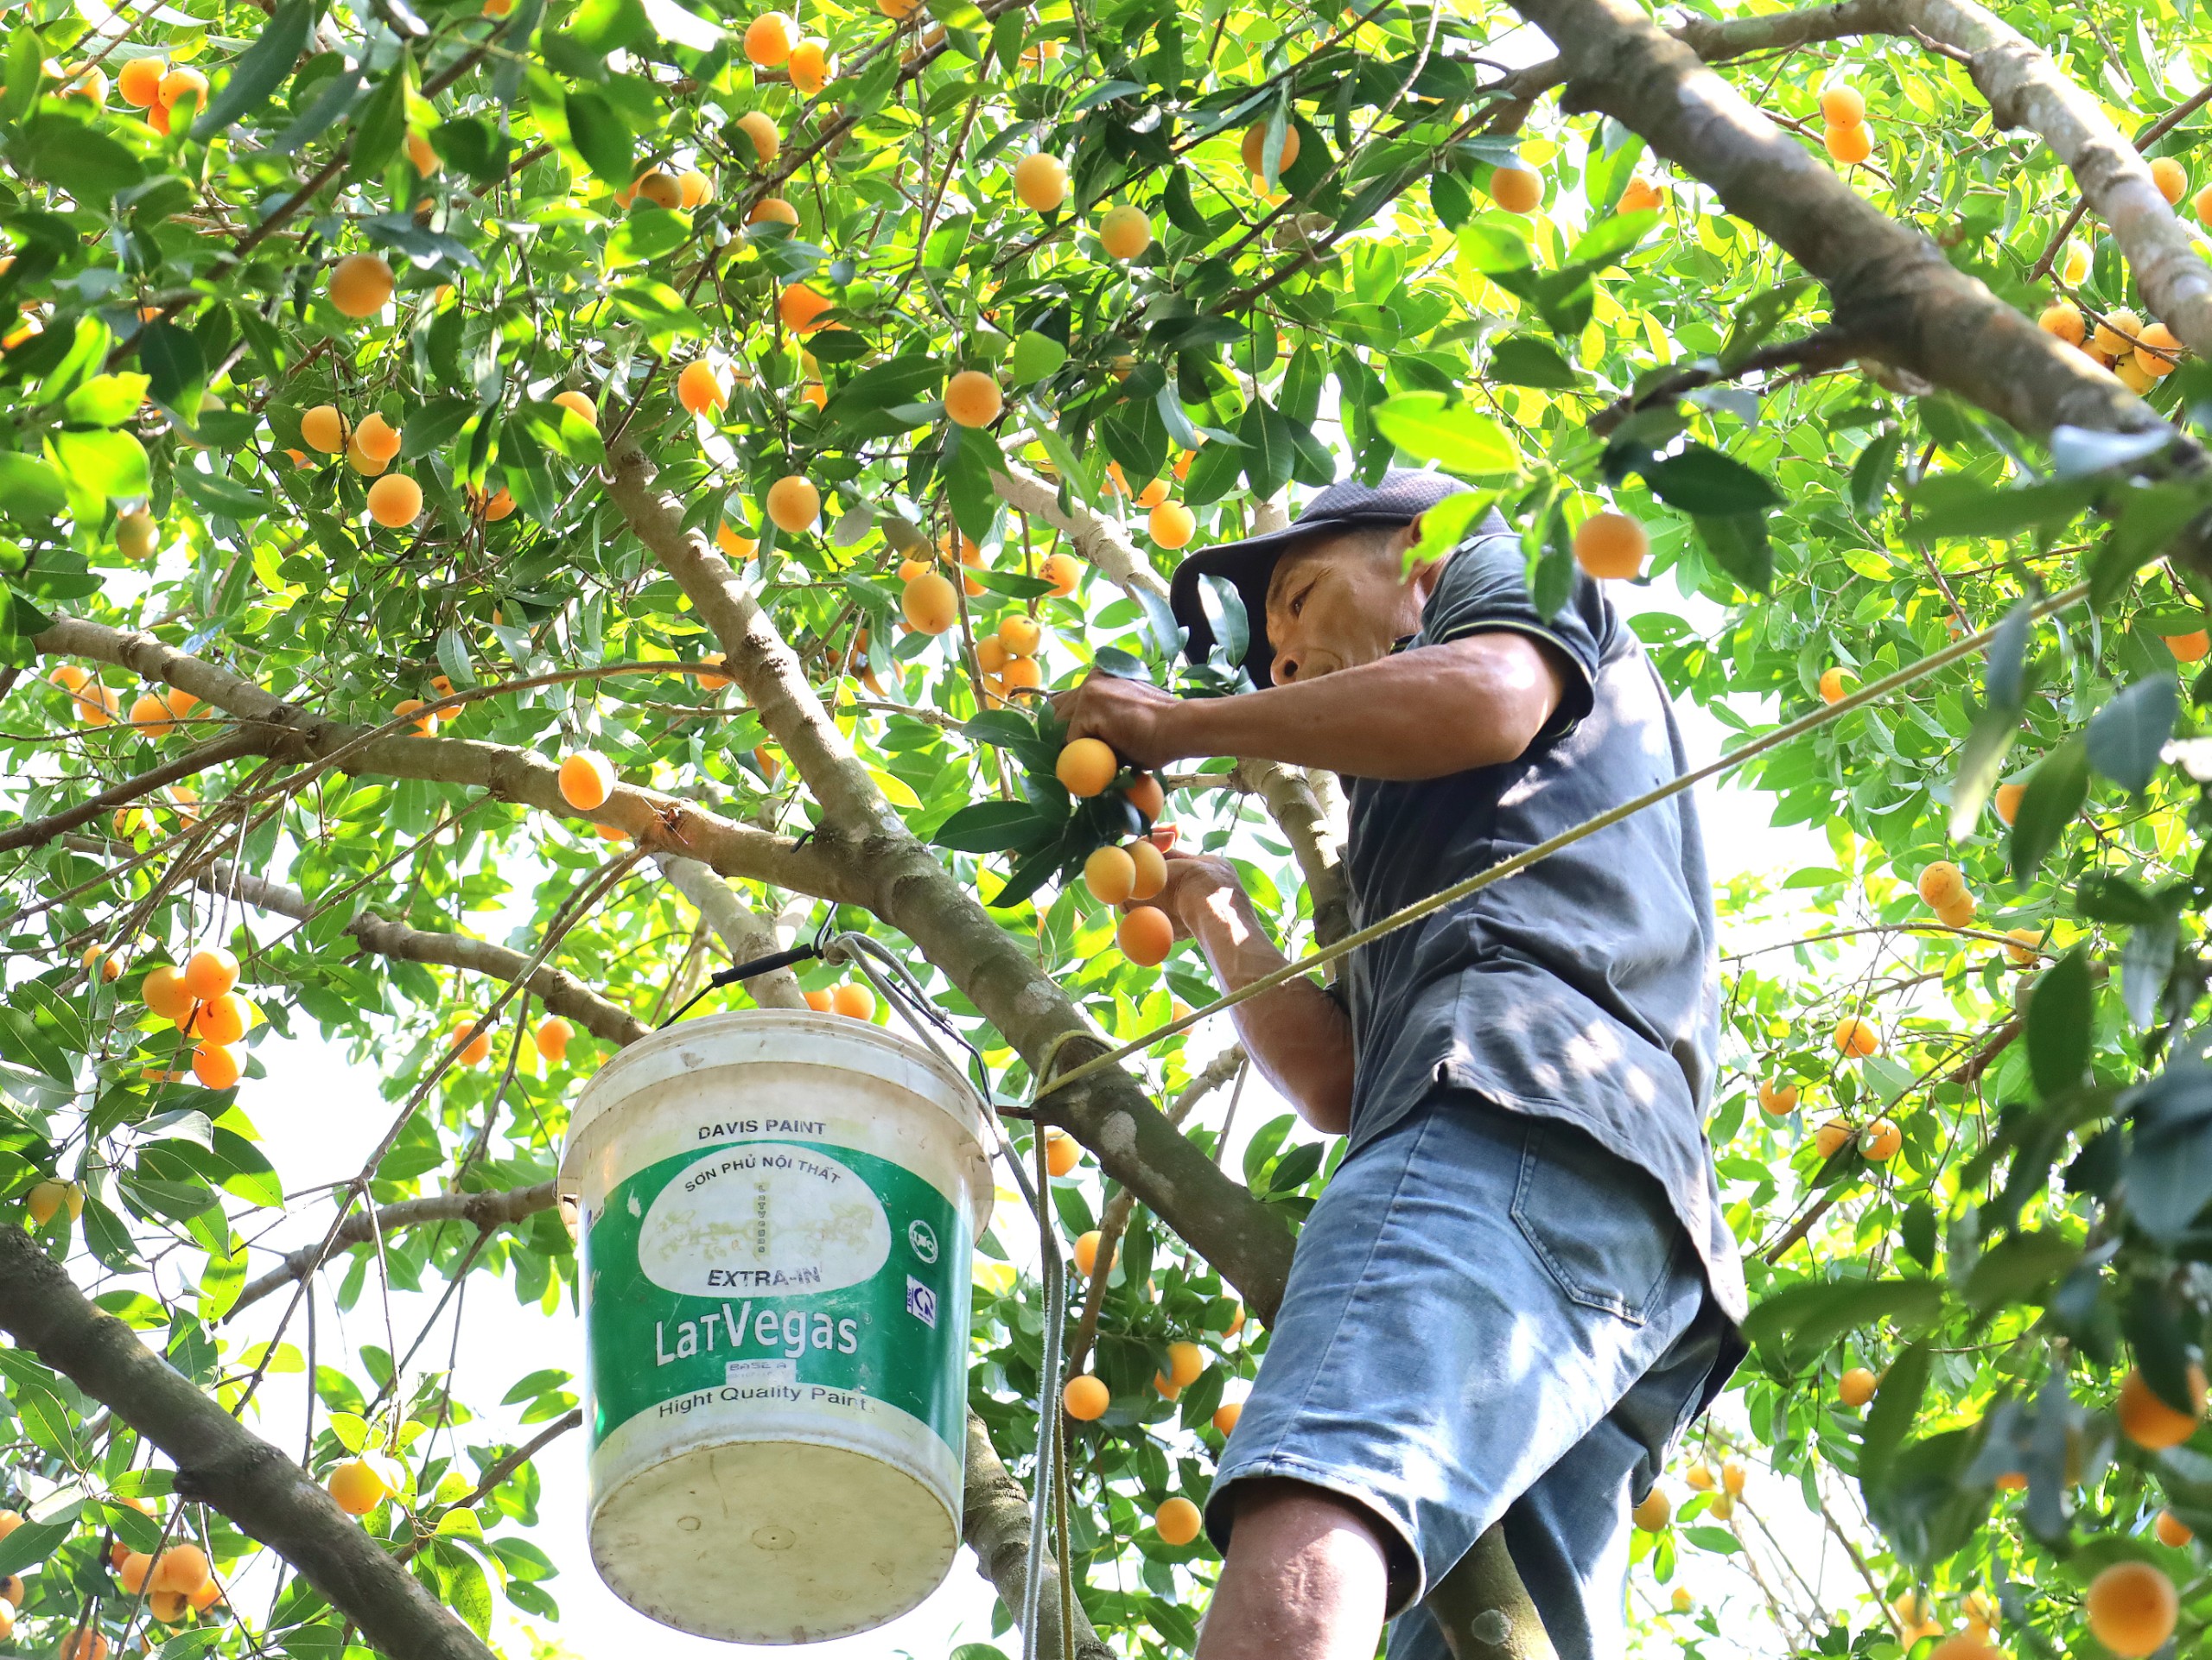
766, 1219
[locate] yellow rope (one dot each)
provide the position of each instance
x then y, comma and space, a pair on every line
1520, 861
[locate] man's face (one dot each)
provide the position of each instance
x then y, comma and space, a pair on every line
1340, 603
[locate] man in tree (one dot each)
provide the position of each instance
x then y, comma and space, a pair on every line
1518, 1288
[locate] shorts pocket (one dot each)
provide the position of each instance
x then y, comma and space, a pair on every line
1599, 1225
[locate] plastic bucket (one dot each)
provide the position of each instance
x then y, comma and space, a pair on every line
776, 1209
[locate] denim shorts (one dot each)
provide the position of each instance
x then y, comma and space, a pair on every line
1489, 1317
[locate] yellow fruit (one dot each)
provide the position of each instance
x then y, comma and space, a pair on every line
1064, 571
1777, 1099
2132, 1609
1110, 874
736, 546
766, 139
378, 438
552, 1039
1086, 1256
1151, 869
167, 1608
395, 500
182, 1569
1177, 1521
587, 780
1654, 1511
2007, 801
1125, 232
2063, 319
2117, 333
768, 40
1612, 545
773, 210
1185, 1362
2147, 1421
1020, 636
1941, 882
2026, 947
1855, 1037
139, 82
793, 504
1640, 196
2171, 177
1699, 1478
136, 1566
216, 1066
1086, 766
1226, 1414
1732, 1477
1086, 1398
1516, 189
809, 67
1831, 686
324, 429
1171, 523
2130, 372
221, 1020
1040, 181
855, 1002
1061, 1153
1879, 1144
2172, 1530
2075, 267
802, 308
137, 536
930, 604
1856, 1387
1851, 145
164, 992
360, 284
1146, 936
972, 399
1830, 1138
181, 83
580, 406
2190, 648
423, 159
1255, 147
2165, 346
695, 189
1843, 105
357, 1487
699, 389
210, 972
45, 1200
1956, 912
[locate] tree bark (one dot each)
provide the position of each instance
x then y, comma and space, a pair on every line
995, 1524
1891, 289
219, 1461
746, 934
486, 1211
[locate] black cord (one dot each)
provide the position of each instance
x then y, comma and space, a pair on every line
737, 972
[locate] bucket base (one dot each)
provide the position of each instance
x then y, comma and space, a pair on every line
772, 1541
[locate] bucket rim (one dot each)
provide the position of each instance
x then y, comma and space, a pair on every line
602, 1095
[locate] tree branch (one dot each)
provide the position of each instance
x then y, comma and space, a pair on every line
486, 1211
37, 831
995, 1524
657, 822
220, 1462
1094, 537
734, 923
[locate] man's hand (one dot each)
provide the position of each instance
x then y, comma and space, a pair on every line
1133, 716
1196, 884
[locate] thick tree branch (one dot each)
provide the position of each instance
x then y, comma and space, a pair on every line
561, 992
995, 1524
2023, 88
486, 1211
657, 822
1888, 285
1095, 537
907, 888
734, 923
220, 1462
1292, 805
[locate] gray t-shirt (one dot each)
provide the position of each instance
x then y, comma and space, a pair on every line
1586, 988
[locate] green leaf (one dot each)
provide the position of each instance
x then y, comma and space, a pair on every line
1461, 438
260, 69
105, 400
1269, 454
1812, 1313
2057, 789
1871, 472
32, 1543
991, 827
30, 491
172, 362
1523, 361
1702, 480
1895, 1410
103, 466
2058, 1022
212, 493
381, 126
2125, 736
88, 164
645, 235
598, 136
1738, 545
1035, 356
1954, 505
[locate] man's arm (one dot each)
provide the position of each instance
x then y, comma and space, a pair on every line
1480, 701
1297, 1034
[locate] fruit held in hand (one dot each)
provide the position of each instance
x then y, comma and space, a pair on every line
1086, 766
1146, 936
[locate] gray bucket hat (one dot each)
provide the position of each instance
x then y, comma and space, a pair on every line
1403, 495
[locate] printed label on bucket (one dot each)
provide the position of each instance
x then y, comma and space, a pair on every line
778, 1271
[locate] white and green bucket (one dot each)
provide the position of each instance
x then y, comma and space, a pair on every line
776, 1209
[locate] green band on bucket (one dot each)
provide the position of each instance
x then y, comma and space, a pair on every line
787, 1273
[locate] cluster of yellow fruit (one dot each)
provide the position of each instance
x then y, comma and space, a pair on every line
550, 1039
427, 724
772, 41
1943, 890
177, 1584
199, 1000
1170, 523
1843, 114
150, 85
1007, 658
369, 447
1118, 874
2139, 354
856, 1000
686, 190
155, 714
